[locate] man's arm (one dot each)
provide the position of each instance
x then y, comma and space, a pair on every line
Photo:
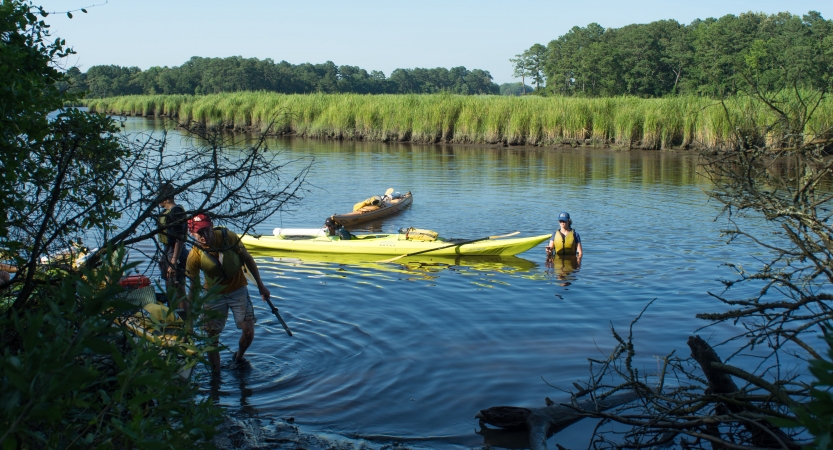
174, 262
252, 266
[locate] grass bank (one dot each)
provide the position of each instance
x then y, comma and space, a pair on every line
628, 122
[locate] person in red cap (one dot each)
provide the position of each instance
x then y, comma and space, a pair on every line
220, 256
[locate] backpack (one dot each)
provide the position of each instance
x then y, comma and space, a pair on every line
226, 266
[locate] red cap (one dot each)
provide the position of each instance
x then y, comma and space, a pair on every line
198, 222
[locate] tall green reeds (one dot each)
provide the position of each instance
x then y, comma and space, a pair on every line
528, 120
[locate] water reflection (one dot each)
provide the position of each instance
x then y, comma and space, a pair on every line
563, 268
421, 266
235, 379
459, 334
513, 166
503, 438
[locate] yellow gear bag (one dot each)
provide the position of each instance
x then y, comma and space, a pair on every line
372, 201
416, 234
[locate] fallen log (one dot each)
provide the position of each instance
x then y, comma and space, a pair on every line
763, 433
541, 422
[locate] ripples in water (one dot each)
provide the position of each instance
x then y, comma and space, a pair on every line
414, 349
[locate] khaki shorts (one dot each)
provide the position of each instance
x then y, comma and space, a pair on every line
240, 305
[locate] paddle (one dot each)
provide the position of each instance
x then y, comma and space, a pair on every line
449, 246
278, 315
269, 302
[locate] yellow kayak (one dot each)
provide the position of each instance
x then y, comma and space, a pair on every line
394, 245
507, 264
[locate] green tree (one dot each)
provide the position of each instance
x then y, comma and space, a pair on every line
71, 373
69, 378
571, 64
28, 92
513, 89
106, 81
536, 56
676, 54
521, 65
704, 57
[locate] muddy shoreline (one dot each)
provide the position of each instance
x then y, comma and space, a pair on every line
587, 143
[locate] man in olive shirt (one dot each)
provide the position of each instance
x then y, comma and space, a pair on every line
172, 236
220, 256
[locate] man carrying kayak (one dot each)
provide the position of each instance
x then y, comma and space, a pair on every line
221, 257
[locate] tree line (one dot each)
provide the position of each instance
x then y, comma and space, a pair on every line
214, 75
711, 57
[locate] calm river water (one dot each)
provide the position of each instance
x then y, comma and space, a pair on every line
410, 352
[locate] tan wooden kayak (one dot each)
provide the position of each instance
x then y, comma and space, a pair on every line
368, 213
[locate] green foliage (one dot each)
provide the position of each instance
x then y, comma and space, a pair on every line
816, 415
28, 92
711, 57
233, 74
625, 121
72, 377
530, 64
59, 168
514, 89
69, 184
457, 80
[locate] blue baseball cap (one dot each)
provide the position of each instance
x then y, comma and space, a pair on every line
564, 216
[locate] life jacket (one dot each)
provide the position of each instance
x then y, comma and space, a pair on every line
163, 223
564, 245
227, 265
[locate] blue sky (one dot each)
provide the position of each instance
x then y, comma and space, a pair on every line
374, 35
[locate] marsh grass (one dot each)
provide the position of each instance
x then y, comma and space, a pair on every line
627, 122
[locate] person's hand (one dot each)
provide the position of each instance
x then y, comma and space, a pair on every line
264, 293
171, 271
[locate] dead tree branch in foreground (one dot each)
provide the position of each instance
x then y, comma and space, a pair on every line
239, 183
781, 172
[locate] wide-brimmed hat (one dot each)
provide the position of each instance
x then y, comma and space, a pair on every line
198, 222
